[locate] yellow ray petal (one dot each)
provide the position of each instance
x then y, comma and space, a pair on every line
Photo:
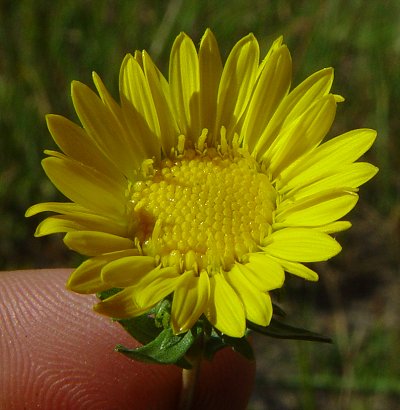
303, 96
162, 101
87, 278
275, 46
299, 269
263, 272
236, 83
139, 109
81, 218
77, 144
148, 66
257, 305
141, 119
106, 98
106, 130
57, 224
127, 271
86, 186
94, 243
184, 80
210, 66
338, 151
294, 105
138, 56
120, 306
60, 207
334, 227
270, 87
80, 221
319, 209
189, 302
301, 245
349, 175
301, 136
225, 310
158, 284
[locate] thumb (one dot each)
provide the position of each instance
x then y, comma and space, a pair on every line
57, 353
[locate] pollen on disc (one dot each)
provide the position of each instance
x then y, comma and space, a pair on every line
212, 209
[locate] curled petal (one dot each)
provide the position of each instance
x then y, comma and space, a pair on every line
94, 243
87, 277
120, 306
127, 271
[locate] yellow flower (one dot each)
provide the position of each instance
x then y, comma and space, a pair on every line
204, 188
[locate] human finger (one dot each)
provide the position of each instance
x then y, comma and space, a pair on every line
57, 353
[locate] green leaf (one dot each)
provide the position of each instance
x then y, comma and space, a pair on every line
108, 293
143, 328
162, 313
282, 330
217, 341
166, 348
240, 345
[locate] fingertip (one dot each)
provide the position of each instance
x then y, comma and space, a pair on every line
55, 349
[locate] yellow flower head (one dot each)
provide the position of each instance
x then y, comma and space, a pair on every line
204, 188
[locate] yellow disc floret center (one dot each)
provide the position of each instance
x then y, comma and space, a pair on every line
203, 210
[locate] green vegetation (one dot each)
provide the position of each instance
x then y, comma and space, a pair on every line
44, 45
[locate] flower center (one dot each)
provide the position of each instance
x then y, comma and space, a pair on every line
203, 210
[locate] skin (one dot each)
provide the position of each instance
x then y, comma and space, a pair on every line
55, 352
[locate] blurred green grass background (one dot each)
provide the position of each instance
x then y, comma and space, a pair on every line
44, 45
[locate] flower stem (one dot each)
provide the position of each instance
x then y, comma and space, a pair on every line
189, 382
